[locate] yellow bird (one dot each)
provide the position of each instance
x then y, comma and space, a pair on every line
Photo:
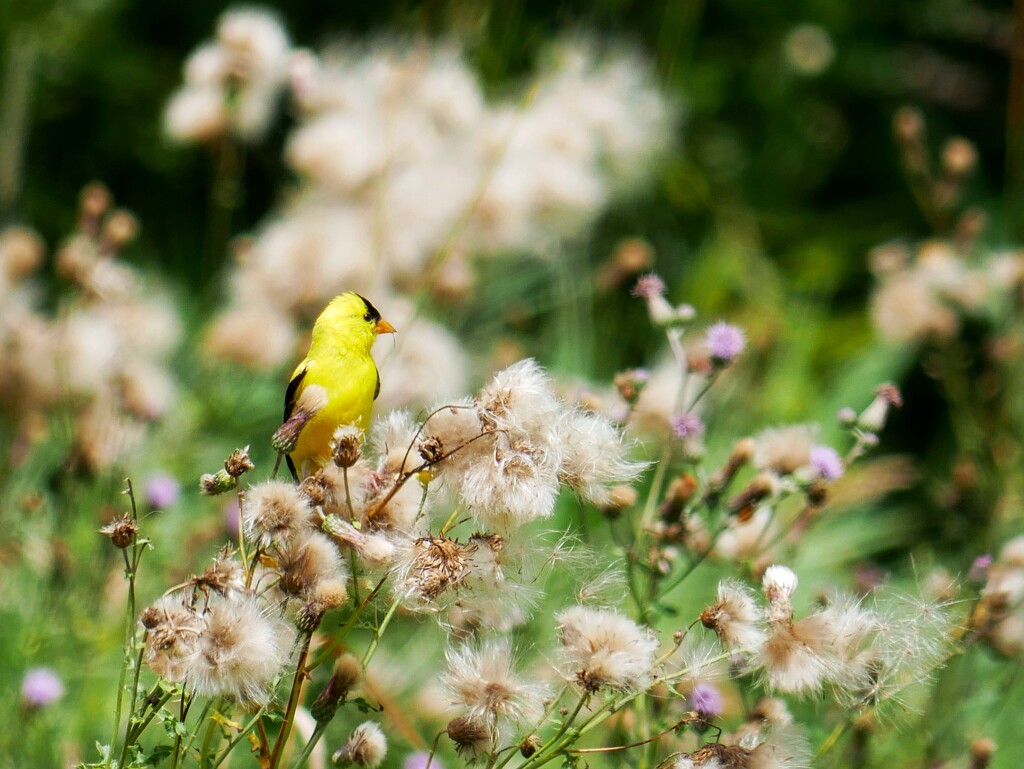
339, 363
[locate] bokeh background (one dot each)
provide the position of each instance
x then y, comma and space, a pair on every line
782, 175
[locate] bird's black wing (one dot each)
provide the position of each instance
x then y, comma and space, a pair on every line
290, 395
290, 398
376, 390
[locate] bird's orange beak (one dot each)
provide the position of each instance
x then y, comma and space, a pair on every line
383, 327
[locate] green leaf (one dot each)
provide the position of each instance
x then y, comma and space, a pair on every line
366, 707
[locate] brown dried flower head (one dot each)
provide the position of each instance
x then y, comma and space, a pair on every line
121, 530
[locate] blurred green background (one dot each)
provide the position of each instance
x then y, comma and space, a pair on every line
783, 176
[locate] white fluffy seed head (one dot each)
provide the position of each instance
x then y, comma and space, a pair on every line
231, 648
593, 456
735, 617
779, 584
481, 679
605, 649
273, 512
366, 746
305, 561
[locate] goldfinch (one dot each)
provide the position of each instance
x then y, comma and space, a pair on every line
337, 382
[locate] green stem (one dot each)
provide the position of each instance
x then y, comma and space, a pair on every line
314, 738
253, 722
559, 739
137, 731
182, 714
204, 756
378, 633
339, 640
199, 723
293, 703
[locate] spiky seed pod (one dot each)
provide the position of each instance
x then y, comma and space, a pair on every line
238, 464
346, 445
469, 735
213, 484
121, 530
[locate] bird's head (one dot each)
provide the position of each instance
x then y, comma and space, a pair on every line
351, 320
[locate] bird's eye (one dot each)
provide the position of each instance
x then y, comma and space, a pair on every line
367, 317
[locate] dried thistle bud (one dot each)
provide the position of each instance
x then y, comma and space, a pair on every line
468, 734
316, 489
346, 445
742, 452
817, 494
680, 491
621, 497
959, 157
530, 745
21, 252
94, 200
151, 617
759, 489
846, 417
121, 530
630, 383
331, 593
121, 227
629, 258
309, 616
908, 125
238, 464
431, 449
212, 484
887, 396
982, 750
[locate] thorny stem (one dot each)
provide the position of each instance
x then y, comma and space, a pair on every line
130, 568
703, 392
182, 715
134, 698
135, 732
293, 702
255, 721
199, 723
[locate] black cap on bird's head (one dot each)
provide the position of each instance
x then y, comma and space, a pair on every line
372, 315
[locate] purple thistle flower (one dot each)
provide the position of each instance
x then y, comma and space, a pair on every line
162, 491
725, 342
827, 462
706, 700
647, 286
41, 687
979, 569
687, 426
419, 759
